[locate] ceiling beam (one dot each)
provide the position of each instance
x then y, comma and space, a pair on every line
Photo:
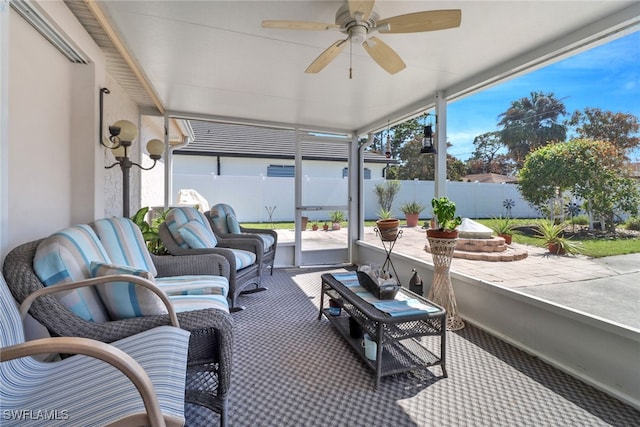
120, 47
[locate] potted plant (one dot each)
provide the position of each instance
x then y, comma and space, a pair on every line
314, 226
325, 226
444, 211
503, 227
553, 237
412, 212
150, 230
336, 219
387, 225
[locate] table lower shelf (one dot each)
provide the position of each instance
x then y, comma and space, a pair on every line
397, 356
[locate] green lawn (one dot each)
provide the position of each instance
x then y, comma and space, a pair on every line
590, 247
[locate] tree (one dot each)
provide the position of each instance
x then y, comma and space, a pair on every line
616, 128
487, 146
591, 170
397, 136
422, 166
530, 123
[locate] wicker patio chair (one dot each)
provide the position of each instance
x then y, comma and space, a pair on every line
62, 392
210, 344
245, 257
224, 223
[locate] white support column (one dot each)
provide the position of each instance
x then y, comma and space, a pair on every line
4, 122
441, 146
355, 183
168, 164
297, 252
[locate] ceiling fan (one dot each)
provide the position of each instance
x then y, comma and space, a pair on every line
358, 21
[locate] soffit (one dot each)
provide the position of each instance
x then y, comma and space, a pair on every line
214, 59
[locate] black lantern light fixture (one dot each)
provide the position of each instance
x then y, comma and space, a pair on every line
427, 138
121, 135
387, 151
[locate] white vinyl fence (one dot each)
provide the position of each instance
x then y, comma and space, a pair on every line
250, 196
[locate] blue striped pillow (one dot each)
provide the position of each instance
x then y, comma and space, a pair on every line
197, 235
65, 257
123, 241
233, 225
124, 299
178, 217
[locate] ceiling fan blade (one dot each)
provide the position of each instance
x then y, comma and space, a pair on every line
386, 57
298, 25
361, 6
326, 57
430, 20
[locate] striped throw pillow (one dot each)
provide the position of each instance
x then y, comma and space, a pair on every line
124, 299
197, 235
233, 225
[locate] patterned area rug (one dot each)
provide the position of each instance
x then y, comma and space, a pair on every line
291, 369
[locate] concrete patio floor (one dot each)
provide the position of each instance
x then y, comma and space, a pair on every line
603, 287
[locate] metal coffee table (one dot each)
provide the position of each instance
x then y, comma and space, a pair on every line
398, 338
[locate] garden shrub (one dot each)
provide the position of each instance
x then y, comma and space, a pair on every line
579, 220
633, 223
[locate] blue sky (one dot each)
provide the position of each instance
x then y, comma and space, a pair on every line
606, 77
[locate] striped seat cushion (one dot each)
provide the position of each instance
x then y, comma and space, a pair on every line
243, 258
123, 299
194, 285
66, 257
123, 241
268, 241
183, 303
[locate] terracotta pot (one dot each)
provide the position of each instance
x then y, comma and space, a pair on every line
507, 238
412, 219
555, 248
388, 229
439, 234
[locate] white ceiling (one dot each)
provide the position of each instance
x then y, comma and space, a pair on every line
212, 58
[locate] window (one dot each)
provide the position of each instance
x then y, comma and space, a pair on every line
367, 173
281, 171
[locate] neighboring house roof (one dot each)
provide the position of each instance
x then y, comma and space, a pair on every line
634, 170
490, 177
233, 140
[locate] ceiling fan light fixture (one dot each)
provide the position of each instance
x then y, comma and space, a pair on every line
358, 34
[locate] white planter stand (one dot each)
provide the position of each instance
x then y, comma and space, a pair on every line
441, 291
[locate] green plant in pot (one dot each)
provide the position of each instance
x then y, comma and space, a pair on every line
447, 222
150, 230
503, 227
336, 219
412, 212
553, 237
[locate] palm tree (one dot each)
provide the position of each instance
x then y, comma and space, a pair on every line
532, 122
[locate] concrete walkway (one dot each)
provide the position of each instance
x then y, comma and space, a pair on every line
605, 287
